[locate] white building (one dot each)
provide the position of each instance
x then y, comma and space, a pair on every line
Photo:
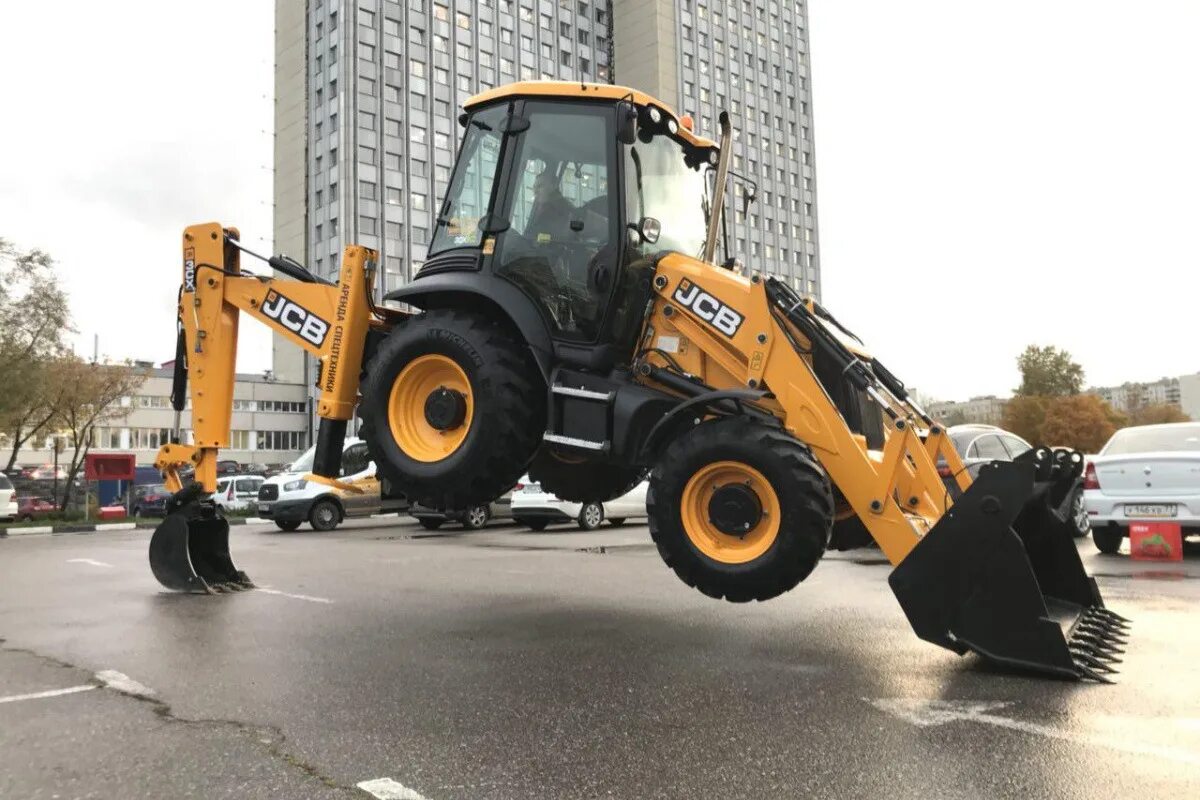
984, 410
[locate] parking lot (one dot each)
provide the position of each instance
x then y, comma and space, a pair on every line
510, 664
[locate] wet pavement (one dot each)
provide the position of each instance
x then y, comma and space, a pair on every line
509, 664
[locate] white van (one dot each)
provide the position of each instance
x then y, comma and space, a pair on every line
237, 492
290, 500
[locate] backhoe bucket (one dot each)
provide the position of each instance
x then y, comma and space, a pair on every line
189, 551
1000, 575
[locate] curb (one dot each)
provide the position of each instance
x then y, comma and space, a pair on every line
102, 527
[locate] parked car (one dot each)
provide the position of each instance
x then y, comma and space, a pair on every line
291, 500
535, 508
472, 518
228, 467
150, 501
1145, 473
979, 444
8, 500
47, 473
29, 508
238, 493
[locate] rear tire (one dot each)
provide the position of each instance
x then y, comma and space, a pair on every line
1108, 539
1081, 524
476, 518
590, 516
752, 466
582, 481
488, 434
324, 515
288, 525
430, 524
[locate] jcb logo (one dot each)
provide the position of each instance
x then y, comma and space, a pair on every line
708, 308
305, 324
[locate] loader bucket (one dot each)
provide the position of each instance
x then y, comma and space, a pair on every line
189, 551
999, 575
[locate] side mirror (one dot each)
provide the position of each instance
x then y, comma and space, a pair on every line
650, 229
626, 122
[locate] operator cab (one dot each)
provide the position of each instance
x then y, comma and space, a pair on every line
569, 192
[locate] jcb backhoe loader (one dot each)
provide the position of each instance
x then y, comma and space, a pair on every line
573, 319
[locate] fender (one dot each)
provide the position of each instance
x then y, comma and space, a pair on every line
499, 295
700, 402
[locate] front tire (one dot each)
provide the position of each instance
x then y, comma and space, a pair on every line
453, 408
288, 525
1108, 539
324, 515
739, 510
590, 516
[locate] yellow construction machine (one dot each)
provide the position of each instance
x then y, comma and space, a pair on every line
573, 318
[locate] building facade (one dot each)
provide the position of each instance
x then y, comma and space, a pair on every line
368, 93
1130, 396
270, 423
984, 410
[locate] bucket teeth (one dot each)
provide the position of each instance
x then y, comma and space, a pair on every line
1095, 641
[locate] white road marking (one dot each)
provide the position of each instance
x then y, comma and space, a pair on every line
388, 789
307, 597
91, 561
16, 698
119, 681
927, 713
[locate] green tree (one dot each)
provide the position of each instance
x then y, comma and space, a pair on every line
34, 319
1048, 372
87, 395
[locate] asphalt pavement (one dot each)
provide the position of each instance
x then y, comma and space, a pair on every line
511, 664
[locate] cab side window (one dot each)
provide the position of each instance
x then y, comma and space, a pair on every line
355, 459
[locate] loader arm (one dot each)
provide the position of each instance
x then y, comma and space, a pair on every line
328, 321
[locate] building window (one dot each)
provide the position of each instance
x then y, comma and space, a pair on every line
418, 201
366, 190
366, 225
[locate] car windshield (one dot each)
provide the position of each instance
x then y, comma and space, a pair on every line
1154, 439
303, 463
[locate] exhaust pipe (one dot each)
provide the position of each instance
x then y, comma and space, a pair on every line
718, 197
1000, 575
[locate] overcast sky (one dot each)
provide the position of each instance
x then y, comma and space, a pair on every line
988, 175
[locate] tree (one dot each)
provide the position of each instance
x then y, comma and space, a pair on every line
34, 318
1157, 415
1048, 372
87, 395
1083, 422
1024, 416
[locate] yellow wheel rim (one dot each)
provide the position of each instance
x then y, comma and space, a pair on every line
708, 539
406, 407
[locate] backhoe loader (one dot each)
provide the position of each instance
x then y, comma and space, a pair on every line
573, 319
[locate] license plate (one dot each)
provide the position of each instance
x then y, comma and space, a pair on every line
533, 488
1150, 510
264, 508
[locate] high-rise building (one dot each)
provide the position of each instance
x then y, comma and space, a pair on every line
750, 58
368, 93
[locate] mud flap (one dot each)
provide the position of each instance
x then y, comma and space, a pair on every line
189, 551
1000, 575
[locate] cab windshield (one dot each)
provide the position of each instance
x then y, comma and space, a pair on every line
470, 193
666, 180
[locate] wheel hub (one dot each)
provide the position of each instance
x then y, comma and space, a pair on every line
734, 509
445, 409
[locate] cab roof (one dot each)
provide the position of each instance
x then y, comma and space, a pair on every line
576, 90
